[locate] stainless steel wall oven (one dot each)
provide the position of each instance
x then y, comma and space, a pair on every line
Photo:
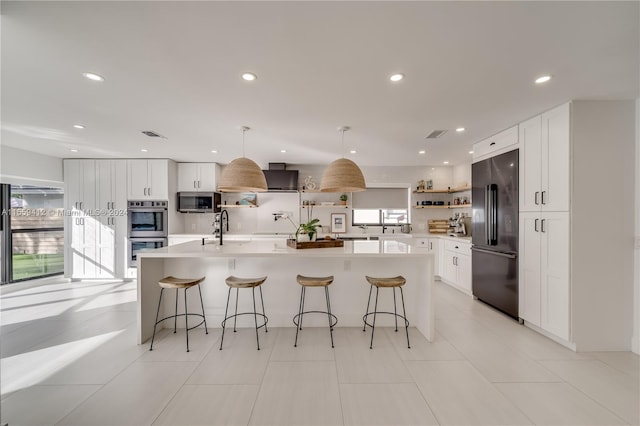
148, 227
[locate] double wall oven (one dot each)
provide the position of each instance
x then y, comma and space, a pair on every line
147, 227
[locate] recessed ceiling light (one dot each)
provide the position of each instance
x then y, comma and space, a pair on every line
460, 129
396, 77
353, 151
249, 76
73, 150
93, 77
445, 162
283, 151
144, 150
422, 152
213, 151
543, 79
78, 126
470, 152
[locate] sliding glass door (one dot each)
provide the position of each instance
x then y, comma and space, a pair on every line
32, 232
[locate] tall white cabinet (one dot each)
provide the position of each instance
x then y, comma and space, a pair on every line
95, 196
112, 225
575, 270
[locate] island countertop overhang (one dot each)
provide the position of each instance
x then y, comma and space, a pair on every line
195, 249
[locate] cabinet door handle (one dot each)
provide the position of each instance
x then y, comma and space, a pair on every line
149, 191
198, 184
492, 144
535, 225
542, 225
430, 245
535, 198
543, 192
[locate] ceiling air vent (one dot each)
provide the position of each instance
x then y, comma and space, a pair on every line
435, 134
153, 134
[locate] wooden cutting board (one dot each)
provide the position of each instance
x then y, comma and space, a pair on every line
438, 226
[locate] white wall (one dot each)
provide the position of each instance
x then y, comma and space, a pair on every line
19, 167
248, 221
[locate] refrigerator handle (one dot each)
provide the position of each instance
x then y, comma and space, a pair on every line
494, 214
487, 218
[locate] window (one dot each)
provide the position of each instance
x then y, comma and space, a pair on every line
381, 206
36, 239
379, 217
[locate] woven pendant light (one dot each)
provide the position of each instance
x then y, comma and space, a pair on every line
343, 175
242, 174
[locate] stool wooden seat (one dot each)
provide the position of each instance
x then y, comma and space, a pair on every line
314, 282
387, 282
235, 282
391, 282
171, 282
238, 283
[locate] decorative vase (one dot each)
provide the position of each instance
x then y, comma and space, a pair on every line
303, 238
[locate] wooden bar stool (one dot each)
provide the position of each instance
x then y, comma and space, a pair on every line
178, 283
393, 282
238, 283
314, 282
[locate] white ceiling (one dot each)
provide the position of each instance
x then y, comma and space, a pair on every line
174, 68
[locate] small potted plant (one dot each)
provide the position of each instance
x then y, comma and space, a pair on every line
343, 199
309, 228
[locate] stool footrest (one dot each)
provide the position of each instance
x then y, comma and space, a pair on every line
334, 319
181, 315
266, 319
364, 317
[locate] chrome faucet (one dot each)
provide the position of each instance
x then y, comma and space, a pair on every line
223, 213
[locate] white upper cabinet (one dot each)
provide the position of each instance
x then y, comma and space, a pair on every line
530, 164
505, 141
544, 161
148, 179
556, 163
197, 176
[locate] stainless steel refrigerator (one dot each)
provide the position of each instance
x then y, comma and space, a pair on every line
494, 256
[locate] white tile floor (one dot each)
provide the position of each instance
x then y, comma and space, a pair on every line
69, 357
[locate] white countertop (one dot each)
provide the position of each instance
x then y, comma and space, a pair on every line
230, 248
258, 236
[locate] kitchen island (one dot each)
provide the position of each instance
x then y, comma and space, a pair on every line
281, 264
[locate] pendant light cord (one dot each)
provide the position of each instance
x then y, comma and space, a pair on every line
343, 129
243, 132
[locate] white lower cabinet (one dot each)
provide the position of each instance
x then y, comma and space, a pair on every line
432, 245
457, 265
544, 296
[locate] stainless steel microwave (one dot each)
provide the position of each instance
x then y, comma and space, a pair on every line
199, 202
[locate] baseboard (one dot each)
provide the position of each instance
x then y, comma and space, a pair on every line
566, 344
23, 285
